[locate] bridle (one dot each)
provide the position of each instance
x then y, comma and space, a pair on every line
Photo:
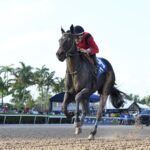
71, 53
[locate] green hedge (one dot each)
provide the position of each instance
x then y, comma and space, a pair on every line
27, 120
1, 119
12, 120
33, 119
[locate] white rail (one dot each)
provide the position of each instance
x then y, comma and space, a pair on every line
48, 117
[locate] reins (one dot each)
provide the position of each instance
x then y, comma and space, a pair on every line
68, 54
71, 54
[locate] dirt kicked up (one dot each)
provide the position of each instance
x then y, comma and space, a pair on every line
57, 137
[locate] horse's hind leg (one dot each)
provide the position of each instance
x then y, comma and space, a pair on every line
84, 104
98, 116
105, 92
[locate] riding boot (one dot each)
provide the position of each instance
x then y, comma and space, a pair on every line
95, 64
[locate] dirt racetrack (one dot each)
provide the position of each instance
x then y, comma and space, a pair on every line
61, 137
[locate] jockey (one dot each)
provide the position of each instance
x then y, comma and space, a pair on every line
85, 43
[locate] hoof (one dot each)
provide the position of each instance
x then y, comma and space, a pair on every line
91, 137
78, 130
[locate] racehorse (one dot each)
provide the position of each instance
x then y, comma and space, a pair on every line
80, 82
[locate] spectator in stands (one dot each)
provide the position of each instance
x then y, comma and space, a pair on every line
121, 118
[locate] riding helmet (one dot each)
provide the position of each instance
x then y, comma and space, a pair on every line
78, 30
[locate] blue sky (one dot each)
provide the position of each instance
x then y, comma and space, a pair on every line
30, 29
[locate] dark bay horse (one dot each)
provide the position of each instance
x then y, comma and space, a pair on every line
80, 82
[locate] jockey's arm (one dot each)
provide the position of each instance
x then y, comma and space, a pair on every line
93, 47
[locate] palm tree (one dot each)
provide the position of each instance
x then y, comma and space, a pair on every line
5, 81
133, 97
146, 100
3, 89
44, 81
6, 71
23, 79
58, 85
24, 74
50, 81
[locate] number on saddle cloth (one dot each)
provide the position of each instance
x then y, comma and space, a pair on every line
101, 66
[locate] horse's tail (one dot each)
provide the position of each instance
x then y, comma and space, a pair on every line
117, 97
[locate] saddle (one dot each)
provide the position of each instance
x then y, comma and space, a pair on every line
90, 59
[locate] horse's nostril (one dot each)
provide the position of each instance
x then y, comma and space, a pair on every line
58, 54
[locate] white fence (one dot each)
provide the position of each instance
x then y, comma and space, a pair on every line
49, 119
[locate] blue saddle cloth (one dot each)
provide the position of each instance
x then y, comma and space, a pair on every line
101, 66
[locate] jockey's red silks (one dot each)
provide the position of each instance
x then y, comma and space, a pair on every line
90, 43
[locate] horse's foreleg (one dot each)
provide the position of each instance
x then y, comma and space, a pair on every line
77, 122
67, 98
98, 116
64, 109
81, 95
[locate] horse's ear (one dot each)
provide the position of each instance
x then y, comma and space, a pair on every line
72, 29
62, 30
